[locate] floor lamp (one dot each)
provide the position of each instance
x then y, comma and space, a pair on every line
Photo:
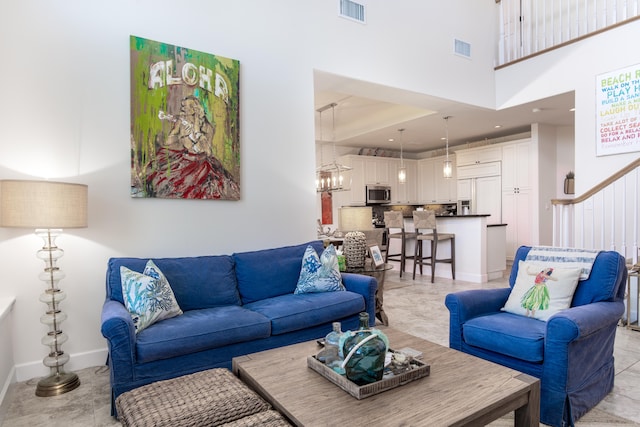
48, 207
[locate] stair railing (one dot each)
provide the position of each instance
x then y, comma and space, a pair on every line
604, 217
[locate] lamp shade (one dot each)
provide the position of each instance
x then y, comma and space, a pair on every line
42, 204
355, 218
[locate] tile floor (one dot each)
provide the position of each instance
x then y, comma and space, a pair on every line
414, 306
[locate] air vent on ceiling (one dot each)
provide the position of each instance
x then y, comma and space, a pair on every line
462, 48
352, 10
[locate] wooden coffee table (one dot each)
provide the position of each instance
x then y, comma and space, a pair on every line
460, 390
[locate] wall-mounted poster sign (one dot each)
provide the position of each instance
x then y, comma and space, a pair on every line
618, 110
185, 123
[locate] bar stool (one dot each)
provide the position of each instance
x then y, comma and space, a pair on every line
426, 220
394, 219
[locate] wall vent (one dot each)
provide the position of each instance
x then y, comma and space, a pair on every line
462, 48
352, 10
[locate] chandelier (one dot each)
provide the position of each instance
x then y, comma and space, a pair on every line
331, 176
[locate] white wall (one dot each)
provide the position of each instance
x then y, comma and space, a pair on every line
565, 158
575, 67
64, 111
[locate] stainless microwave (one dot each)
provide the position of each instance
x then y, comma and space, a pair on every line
378, 194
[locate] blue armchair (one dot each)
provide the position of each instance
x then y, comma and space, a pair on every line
571, 353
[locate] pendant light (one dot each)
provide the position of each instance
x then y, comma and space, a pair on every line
331, 176
447, 169
402, 172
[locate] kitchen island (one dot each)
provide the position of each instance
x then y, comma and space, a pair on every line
480, 249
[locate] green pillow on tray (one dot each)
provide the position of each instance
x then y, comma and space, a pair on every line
319, 274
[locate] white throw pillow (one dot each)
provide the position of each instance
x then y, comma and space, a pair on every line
148, 296
542, 289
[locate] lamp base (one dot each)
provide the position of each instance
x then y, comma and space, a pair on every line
57, 384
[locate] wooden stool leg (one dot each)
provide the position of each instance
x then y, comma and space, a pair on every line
453, 258
402, 255
434, 248
417, 257
421, 254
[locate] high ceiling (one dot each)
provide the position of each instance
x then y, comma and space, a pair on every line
368, 116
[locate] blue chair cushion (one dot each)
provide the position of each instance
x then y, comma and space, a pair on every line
294, 312
509, 334
198, 330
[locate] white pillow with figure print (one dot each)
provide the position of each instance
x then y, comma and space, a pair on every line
542, 289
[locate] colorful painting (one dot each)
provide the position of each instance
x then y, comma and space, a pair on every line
185, 123
618, 111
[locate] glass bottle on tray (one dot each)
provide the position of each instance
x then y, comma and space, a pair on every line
364, 352
330, 355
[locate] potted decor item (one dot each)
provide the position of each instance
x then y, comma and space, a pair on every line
569, 183
355, 249
364, 352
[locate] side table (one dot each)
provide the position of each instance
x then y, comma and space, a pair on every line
378, 273
633, 325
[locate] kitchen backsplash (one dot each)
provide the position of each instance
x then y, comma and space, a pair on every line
407, 210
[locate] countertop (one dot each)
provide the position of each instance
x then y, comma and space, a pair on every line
462, 216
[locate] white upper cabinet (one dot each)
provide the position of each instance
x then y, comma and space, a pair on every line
472, 156
516, 165
433, 187
404, 192
376, 170
355, 196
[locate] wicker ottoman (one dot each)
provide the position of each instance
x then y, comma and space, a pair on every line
208, 398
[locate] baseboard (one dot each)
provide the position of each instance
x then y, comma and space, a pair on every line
6, 394
77, 361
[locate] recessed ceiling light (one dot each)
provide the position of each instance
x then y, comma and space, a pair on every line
536, 110
572, 109
390, 140
497, 126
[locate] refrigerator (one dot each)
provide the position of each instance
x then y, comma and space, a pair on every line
480, 190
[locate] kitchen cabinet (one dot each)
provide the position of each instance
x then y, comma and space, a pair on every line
426, 181
517, 213
404, 192
376, 170
488, 198
480, 185
464, 189
433, 187
472, 156
519, 206
517, 161
356, 195
484, 194
446, 188
368, 170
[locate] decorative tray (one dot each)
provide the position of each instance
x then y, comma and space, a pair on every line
389, 381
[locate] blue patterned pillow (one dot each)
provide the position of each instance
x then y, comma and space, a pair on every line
319, 274
148, 296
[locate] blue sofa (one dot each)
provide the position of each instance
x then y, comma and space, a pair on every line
571, 353
233, 305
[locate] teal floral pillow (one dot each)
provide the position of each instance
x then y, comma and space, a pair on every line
148, 296
319, 274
